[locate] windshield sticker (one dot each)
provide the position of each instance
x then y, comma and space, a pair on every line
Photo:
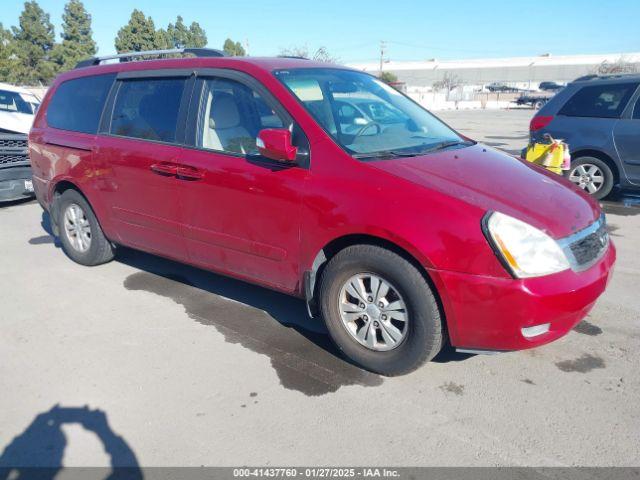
307, 90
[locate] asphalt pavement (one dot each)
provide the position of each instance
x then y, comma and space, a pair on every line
143, 361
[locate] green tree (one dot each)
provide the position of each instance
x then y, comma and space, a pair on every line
163, 40
179, 36
233, 49
32, 44
197, 36
140, 34
388, 77
8, 60
77, 41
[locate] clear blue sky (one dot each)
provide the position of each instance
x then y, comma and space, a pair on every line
352, 29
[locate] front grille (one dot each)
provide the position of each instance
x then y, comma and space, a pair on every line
587, 246
13, 150
13, 143
587, 249
11, 159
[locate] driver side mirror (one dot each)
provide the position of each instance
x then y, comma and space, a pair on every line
276, 144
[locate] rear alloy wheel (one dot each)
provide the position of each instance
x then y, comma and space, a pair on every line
592, 175
80, 233
77, 228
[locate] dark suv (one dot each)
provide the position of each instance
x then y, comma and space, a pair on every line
599, 117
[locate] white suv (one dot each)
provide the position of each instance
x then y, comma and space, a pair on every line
17, 109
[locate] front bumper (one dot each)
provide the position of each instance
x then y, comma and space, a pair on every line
15, 169
488, 313
14, 182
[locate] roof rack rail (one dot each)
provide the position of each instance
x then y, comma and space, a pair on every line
297, 57
125, 57
583, 78
606, 76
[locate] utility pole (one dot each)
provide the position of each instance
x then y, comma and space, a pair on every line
246, 47
383, 51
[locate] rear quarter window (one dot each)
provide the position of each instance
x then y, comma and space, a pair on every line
77, 104
603, 101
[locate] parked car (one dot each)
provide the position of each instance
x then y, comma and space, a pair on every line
401, 238
17, 109
535, 100
599, 117
550, 86
501, 87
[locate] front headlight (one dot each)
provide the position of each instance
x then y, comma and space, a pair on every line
527, 251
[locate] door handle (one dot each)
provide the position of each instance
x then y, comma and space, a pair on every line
165, 168
187, 172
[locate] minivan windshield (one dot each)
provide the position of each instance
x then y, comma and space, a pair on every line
365, 116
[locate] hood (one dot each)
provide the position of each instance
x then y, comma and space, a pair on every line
493, 180
16, 122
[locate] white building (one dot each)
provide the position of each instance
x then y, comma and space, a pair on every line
522, 72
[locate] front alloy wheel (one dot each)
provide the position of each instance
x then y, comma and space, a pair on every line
373, 312
380, 310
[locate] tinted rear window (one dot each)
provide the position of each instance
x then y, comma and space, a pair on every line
77, 104
148, 108
605, 101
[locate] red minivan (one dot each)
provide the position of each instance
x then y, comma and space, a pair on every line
324, 183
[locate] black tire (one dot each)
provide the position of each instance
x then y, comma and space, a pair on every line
100, 250
425, 335
538, 105
607, 184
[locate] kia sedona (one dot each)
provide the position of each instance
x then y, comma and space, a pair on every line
324, 183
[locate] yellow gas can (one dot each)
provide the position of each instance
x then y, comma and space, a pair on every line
553, 156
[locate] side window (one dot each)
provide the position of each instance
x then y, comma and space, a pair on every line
231, 115
636, 110
605, 101
148, 108
77, 104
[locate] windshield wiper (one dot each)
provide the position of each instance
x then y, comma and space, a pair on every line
385, 154
443, 145
413, 153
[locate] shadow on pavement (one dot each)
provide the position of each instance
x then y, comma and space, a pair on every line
264, 321
38, 451
20, 201
622, 203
